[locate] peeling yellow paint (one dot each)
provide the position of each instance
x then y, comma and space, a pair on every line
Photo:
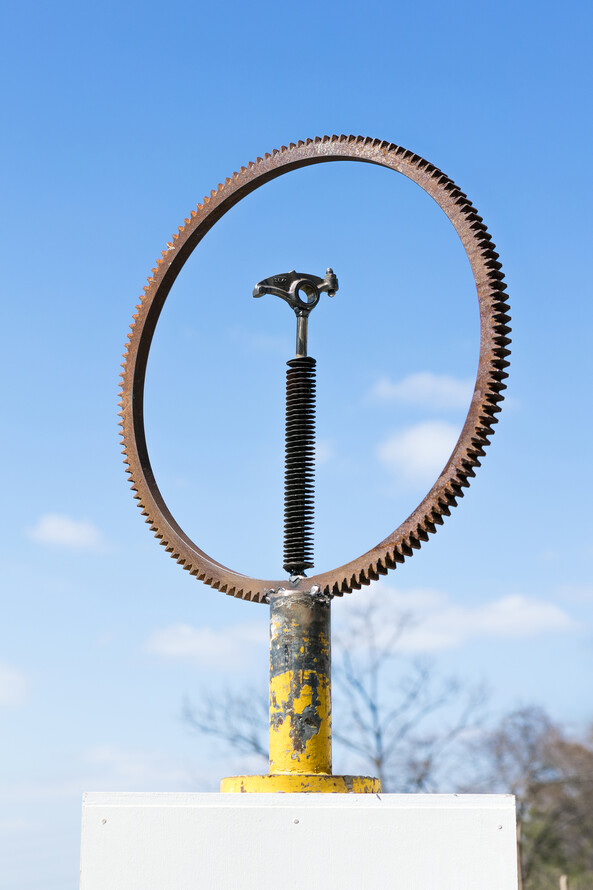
300, 704
298, 784
300, 723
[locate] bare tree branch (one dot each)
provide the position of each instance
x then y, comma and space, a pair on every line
410, 727
239, 719
552, 778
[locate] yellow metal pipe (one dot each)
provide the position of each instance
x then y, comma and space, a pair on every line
300, 702
300, 684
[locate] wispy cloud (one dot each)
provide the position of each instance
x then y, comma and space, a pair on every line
59, 530
13, 686
226, 648
438, 391
435, 622
510, 617
419, 453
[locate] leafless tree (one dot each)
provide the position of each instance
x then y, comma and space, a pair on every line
551, 775
398, 719
397, 713
395, 718
239, 719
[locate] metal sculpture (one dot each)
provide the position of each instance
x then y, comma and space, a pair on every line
300, 662
300, 416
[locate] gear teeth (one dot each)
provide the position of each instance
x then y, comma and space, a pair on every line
451, 488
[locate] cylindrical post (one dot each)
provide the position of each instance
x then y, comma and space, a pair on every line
301, 335
300, 702
300, 683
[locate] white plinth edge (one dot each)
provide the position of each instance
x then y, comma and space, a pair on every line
133, 841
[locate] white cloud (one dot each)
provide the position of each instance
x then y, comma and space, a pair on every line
13, 686
226, 648
419, 453
59, 530
427, 390
437, 623
510, 617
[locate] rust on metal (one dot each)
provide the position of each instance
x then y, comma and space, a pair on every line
301, 784
481, 417
300, 683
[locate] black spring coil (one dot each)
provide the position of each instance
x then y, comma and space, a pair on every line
299, 476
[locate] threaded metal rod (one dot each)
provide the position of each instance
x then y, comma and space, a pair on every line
299, 465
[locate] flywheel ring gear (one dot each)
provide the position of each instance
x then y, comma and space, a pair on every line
480, 418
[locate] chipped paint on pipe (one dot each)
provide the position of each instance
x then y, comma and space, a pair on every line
300, 702
300, 683
301, 784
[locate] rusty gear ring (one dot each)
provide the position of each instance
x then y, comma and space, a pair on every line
481, 415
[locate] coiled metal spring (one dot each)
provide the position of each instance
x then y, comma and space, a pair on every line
299, 465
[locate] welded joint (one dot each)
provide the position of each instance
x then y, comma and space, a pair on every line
315, 592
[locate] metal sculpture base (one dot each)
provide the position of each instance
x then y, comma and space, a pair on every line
211, 841
300, 702
303, 782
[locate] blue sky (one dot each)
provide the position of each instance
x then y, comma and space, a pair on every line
119, 117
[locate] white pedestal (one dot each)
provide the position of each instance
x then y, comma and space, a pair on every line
298, 842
